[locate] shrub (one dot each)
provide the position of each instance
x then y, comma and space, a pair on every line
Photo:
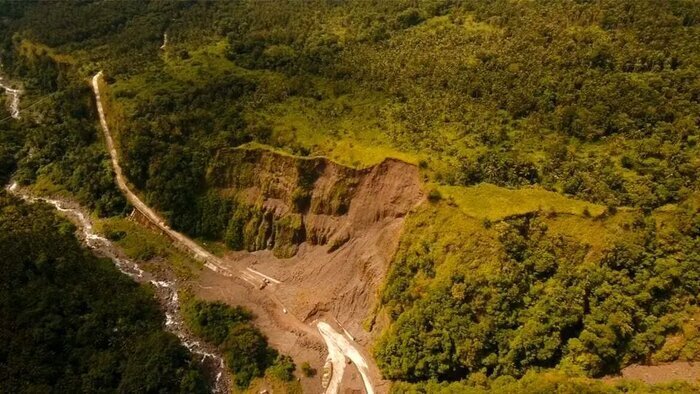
115, 235
307, 369
301, 200
283, 368
434, 195
244, 347
409, 17
586, 212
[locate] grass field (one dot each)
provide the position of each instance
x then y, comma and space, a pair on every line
272, 385
344, 128
492, 202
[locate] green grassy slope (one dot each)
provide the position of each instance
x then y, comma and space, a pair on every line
546, 289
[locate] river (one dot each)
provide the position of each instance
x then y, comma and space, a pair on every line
14, 98
166, 290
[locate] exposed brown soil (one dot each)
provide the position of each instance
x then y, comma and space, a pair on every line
339, 268
334, 275
300, 341
339, 271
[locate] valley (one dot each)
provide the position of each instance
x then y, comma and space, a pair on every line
166, 290
431, 196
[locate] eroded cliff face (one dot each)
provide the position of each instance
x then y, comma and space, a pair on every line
328, 232
283, 201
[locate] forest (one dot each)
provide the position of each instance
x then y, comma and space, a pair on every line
62, 150
72, 322
575, 96
592, 99
532, 297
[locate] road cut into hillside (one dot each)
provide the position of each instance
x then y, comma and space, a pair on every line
216, 264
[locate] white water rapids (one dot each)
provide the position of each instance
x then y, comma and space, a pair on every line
339, 347
165, 41
166, 291
14, 98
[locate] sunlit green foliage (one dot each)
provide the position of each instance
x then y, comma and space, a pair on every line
541, 382
575, 96
594, 99
516, 295
56, 139
244, 346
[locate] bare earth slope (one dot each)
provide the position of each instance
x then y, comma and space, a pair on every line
342, 242
319, 265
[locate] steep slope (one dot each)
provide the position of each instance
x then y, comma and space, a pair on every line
327, 231
475, 297
287, 322
595, 99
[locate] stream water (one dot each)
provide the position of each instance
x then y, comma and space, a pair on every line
14, 98
166, 290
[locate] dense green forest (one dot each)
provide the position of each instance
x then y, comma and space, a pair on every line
73, 323
534, 296
595, 99
244, 346
547, 382
575, 96
57, 145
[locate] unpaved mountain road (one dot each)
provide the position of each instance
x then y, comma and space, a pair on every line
331, 336
198, 252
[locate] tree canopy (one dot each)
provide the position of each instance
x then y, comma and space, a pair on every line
72, 322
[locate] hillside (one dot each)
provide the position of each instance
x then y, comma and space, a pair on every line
485, 195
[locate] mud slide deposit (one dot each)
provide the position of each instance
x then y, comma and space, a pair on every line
327, 233
338, 348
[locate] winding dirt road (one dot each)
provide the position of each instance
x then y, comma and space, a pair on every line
337, 342
198, 252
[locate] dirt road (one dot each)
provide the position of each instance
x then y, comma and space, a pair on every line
198, 252
212, 262
682, 371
